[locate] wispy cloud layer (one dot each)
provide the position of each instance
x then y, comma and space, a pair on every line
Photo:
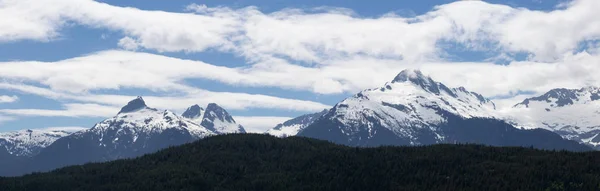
122, 69
5, 118
108, 104
70, 110
324, 51
340, 43
68, 129
316, 35
8, 99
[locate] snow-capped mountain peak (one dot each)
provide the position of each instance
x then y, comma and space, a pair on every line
136, 130
414, 109
29, 142
482, 100
413, 86
193, 112
560, 97
137, 121
134, 105
571, 113
218, 119
412, 75
417, 78
412, 101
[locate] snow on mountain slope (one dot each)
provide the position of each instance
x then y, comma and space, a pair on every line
218, 120
413, 109
29, 142
293, 126
136, 119
411, 99
194, 113
136, 130
572, 113
409, 107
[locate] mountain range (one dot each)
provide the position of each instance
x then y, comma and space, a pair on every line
571, 113
28, 143
136, 130
411, 109
414, 107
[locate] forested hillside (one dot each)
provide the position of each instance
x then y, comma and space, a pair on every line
262, 162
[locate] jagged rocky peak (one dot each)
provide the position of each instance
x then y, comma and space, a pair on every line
416, 110
193, 112
136, 124
480, 97
571, 113
560, 97
217, 111
418, 78
410, 75
412, 99
218, 119
134, 105
136, 117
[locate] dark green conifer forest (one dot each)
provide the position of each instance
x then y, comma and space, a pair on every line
262, 162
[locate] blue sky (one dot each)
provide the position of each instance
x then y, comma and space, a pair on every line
73, 63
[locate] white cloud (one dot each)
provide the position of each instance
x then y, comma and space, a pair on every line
324, 51
5, 118
68, 129
229, 100
316, 35
506, 104
99, 71
122, 69
8, 99
274, 43
128, 43
164, 31
259, 124
574, 71
21, 21
549, 35
320, 37
104, 36
70, 110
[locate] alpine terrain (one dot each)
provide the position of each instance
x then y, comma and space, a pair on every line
28, 143
136, 130
413, 109
571, 113
293, 126
214, 118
